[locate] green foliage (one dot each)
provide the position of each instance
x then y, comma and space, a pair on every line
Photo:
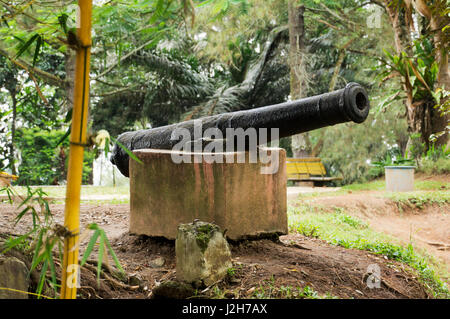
103, 248
419, 71
394, 161
231, 272
286, 143
391, 159
287, 292
420, 199
435, 160
348, 148
43, 162
45, 235
435, 153
381, 185
432, 167
341, 217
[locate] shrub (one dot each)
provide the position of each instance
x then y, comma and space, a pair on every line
431, 167
43, 161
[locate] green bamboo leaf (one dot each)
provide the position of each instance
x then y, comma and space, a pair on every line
158, 12
60, 250
68, 117
42, 278
33, 215
30, 195
52, 263
47, 208
203, 3
10, 194
38, 258
19, 217
19, 39
100, 257
93, 226
90, 246
36, 251
36, 50
64, 136
113, 254
130, 153
26, 45
5, 22
62, 19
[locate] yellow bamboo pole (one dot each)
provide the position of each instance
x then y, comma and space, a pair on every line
77, 143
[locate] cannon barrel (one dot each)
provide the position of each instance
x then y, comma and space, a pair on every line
348, 104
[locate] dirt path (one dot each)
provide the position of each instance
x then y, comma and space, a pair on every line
294, 191
428, 228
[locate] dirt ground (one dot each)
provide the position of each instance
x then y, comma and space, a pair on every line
427, 228
260, 266
263, 267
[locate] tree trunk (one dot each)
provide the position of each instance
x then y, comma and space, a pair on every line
337, 68
422, 117
301, 145
70, 76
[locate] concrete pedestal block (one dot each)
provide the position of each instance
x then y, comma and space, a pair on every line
235, 196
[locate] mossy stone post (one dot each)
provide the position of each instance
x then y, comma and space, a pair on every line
202, 253
13, 278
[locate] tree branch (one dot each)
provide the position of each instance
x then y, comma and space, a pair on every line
126, 56
47, 77
129, 88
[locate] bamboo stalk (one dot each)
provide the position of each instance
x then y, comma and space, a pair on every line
77, 141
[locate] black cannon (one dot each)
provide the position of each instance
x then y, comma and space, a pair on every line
348, 104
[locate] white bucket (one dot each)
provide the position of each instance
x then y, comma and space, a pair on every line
399, 178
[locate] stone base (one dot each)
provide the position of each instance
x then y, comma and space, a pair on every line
202, 254
235, 196
13, 275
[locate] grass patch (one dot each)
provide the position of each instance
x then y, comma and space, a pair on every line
288, 292
419, 199
269, 290
377, 185
380, 185
86, 190
337, 228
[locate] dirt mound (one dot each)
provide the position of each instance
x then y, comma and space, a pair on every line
266, 268
425, 227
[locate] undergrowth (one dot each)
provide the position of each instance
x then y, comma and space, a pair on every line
44, 240
419, 199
